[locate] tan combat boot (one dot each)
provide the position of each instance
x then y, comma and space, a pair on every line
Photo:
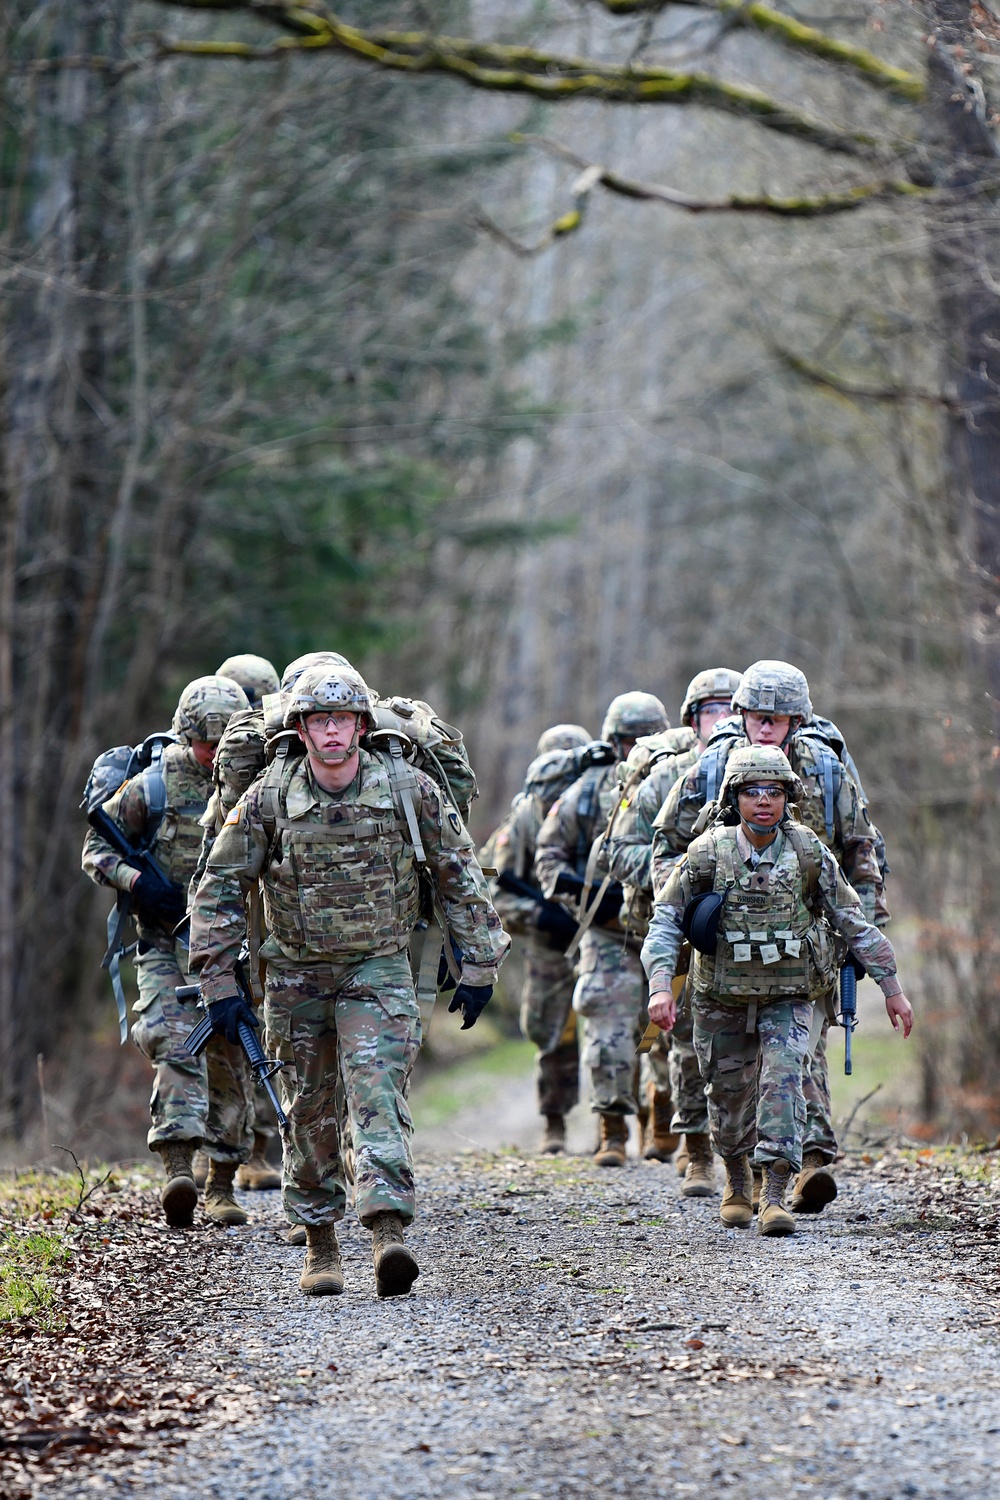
612, 1146
220, 1204
257, 1175
554, 1138
736, 1209
322, 1274
758, 1183
396, 1267
296, 1234
815, 1185
699, 1178
199, 1169
683, 1157
773, 1219
659, 1141
180, 1196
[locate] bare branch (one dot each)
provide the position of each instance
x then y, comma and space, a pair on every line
593, 175
891, 393
795, 34
490, 65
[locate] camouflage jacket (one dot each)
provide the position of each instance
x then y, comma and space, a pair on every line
853, 837
511, 850
574, 821
178, 838
339, 877
771, 893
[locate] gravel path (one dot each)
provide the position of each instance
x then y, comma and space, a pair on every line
578, 1332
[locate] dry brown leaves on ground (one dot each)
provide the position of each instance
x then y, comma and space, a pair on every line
109, 1352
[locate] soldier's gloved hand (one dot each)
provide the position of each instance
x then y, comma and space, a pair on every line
610, 905
569, 884
228, 1013
446, 979
157, 901
471, 1000
556, 923
597, 753
855, 963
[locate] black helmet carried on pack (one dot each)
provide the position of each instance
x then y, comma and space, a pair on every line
255, 675
774, 687
205, 708
715, 682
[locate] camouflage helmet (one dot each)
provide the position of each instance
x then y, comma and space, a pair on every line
562, 737
756, 763
206, 707
294, 670
255, 675
774, 687
633, 714
716, 682
336, 688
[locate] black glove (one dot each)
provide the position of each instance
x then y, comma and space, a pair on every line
569, 884
855, 963
556, 923
471, 1000
446, 979
228, 1013
597, 753
610, 905
157, 901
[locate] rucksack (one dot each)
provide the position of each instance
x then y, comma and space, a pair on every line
114, 767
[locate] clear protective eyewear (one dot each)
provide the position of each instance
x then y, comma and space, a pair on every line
320, 720
762, 793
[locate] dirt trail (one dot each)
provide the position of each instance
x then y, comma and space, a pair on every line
577, 1332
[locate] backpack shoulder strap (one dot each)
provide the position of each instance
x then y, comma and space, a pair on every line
272, 792
831, 774
805, 853
403, 784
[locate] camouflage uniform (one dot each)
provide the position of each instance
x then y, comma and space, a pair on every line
610, 992
341, 898
766, 905
629, 853
849, 834
194, 1099
547, 1017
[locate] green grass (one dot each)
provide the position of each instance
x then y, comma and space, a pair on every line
27, 1260
439, 1095
881, 1060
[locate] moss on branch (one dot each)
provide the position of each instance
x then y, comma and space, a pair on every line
524, 70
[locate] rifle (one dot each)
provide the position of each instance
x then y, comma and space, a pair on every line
848, 1010
142, 860
262, 1067
560, 923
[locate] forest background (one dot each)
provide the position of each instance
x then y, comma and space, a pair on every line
522, 394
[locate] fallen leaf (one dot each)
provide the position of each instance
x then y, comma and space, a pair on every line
732, 1440
694, 1343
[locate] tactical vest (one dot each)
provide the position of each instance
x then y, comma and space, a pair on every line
340, 882
186, 788
771, 945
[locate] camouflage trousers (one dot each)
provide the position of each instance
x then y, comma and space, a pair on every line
819, 1133
754, 1079
611, 995
206, 1098
687, 1086
549, 1020
357, 1024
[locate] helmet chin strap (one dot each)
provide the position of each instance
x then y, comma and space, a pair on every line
334, 757
760, 828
